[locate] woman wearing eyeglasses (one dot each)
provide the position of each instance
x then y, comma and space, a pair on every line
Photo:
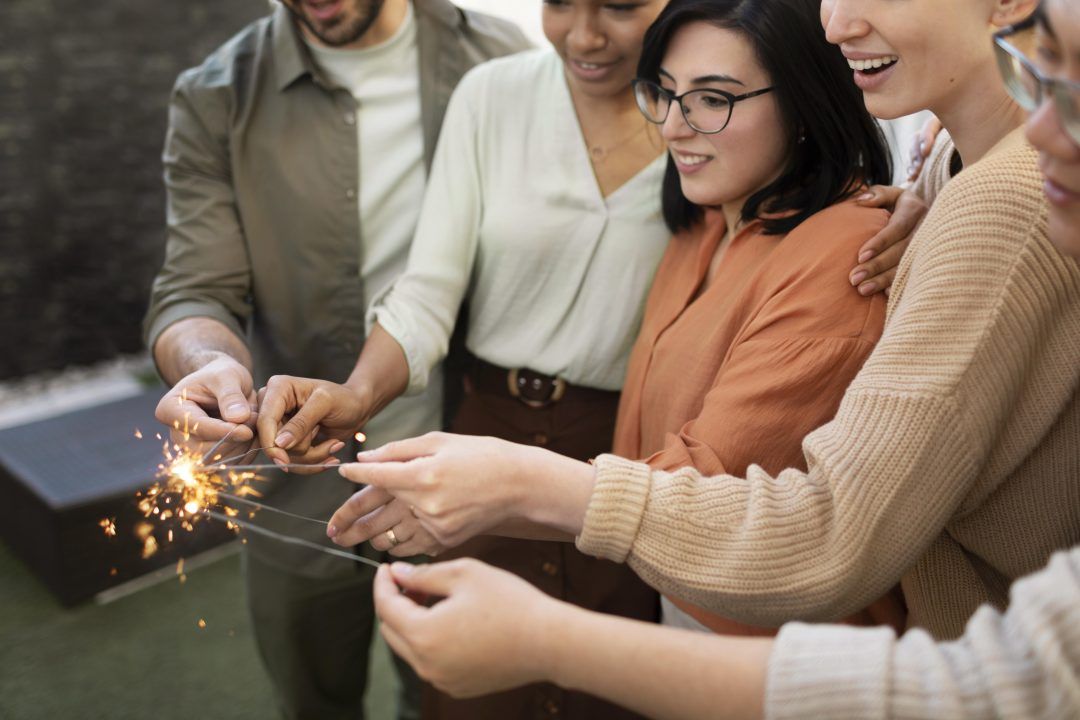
751, 332
1023, 663
952, 463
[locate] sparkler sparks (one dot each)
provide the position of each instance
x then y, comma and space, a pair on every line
186, 486
191, 485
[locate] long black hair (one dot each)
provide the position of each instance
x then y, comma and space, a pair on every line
835, 145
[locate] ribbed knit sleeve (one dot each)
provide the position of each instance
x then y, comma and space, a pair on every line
981, 292
1025, 664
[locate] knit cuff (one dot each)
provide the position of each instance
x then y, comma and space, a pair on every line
829, 671
616, 508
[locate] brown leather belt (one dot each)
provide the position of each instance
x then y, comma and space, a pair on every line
531, 388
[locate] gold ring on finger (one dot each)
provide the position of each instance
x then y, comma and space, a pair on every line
392, 538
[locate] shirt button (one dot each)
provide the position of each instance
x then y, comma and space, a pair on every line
350, 118
550, 568
350, 193
552, 707
540, 439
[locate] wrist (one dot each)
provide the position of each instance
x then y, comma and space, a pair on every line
553, 642
559, 490
364, 395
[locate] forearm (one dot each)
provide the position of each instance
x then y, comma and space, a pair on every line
190, 344
382, 371
657, 671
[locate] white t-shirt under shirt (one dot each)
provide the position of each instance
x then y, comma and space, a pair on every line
385, 82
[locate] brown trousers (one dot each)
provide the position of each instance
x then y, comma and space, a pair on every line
581, 425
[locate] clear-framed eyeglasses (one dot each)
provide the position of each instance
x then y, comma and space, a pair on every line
706, 111
1028, 86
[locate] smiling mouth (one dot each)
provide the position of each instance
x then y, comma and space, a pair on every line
690, 160
873, 66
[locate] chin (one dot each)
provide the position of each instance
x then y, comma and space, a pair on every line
1065, 230
889, 107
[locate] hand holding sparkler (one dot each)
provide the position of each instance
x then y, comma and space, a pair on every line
376, 515
491, 631
213, 404
460, 487
304, 421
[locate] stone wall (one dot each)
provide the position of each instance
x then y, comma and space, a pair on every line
83, 93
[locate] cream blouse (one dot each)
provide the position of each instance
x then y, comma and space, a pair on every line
513, 220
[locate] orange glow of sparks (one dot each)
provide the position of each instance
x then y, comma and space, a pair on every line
186, 486
138, 433
202, 623
360, 437
108, 525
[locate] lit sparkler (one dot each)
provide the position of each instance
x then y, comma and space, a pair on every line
192, 485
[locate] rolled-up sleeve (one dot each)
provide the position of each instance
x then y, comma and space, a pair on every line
1025, 663
206, 270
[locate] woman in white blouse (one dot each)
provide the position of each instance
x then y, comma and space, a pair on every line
542, 211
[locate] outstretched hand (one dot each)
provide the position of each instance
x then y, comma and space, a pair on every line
457, 486
368, 516
490, 630
304, 421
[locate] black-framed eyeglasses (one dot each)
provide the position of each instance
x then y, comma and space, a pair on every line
1029, 87
706, 111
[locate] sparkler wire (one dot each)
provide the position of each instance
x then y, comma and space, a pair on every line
259, 530
219, 443
271, 508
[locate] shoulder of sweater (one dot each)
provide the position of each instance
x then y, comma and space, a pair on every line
997, 202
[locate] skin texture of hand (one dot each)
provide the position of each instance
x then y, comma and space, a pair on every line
486, 635
492, 631
461, 486
212, 402
368, 514
880, 255
305, 421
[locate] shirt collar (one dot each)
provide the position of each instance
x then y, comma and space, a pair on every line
292, 60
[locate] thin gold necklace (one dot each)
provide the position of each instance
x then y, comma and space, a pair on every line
600, 153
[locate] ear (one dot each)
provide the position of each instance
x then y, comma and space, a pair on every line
1011, 12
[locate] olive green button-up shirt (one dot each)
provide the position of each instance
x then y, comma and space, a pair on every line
261, 170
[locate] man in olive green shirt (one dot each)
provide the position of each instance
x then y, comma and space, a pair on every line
294, 165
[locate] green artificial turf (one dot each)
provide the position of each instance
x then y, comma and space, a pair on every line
143, 656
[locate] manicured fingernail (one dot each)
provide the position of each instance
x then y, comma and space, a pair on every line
336, 447
284, 439
858, 277
866, 196
404, 569
865, 255
332, 462
868, 288
331, 531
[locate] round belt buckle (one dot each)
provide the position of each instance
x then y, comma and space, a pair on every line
519, 387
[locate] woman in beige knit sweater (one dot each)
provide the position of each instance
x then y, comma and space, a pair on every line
952, 463
1025, 664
